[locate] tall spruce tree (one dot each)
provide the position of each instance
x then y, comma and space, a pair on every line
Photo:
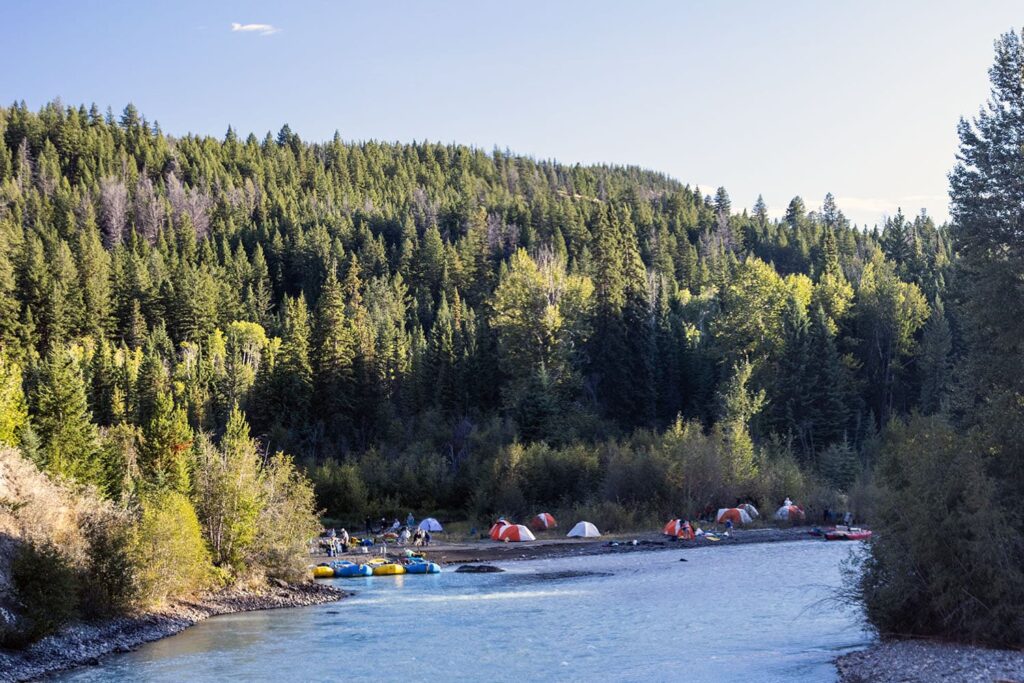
69, 439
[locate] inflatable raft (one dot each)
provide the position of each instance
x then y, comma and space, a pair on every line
419, 566
323, 571
388, 569
850, 534
347, 570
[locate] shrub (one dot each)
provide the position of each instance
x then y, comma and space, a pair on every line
548, 476
109, 584
229, 492
946, 559
609, 517
340, 489
287, 521
47, 587
636, 476
169, 554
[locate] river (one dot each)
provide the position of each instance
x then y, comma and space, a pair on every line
758, 612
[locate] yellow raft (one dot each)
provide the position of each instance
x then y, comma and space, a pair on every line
388, 569
322, 572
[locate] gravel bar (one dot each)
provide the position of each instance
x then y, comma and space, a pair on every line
914, 661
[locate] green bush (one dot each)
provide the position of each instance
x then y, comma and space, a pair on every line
548, 476
169, 554
946, 558
109, 584
286, 522
47, 587
340, 489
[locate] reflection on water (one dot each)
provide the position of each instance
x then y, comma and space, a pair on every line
740, 613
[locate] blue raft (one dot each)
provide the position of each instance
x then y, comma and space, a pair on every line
351, 569
418, 565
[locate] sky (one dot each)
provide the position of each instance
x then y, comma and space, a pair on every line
858, 98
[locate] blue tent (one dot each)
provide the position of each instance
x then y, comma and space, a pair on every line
430, 524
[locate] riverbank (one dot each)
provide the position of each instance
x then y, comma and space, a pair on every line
916, 661
84, 644
449, 552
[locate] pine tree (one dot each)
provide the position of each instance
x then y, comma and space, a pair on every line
334, 350
739, 405
166, 447
935, 362
69, 439
790, 407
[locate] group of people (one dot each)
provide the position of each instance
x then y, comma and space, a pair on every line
418, 537
382, 526
334, 542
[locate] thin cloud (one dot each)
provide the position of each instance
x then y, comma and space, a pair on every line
261, 29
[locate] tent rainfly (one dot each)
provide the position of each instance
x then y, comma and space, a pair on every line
584, 530
789, 513
516, 533
430, 524
495, 531
735, 515
543, 521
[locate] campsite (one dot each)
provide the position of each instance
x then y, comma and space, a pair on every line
542, 537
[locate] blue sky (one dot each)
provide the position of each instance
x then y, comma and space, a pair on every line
860, 98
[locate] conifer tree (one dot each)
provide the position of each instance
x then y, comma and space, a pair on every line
739, 405
935, 362
334, 350
166, 447
69, 439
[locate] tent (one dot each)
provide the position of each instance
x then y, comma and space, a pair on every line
496, 529
584, 530
751, 510
673, 527
735, 515
544, 520
516, 533
790, 513
430, 524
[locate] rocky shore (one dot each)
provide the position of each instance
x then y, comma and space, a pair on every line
915, 661
85, 644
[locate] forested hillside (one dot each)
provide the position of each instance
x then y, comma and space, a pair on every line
435, 326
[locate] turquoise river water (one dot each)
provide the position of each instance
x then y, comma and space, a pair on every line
751, 613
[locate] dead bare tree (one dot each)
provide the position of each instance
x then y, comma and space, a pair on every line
113, 211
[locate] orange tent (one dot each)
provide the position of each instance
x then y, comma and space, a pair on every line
735, 515
496, 529
544, 520
516, 533
673, 527
791, 513
679, 529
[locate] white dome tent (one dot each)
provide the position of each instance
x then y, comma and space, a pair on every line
584, 530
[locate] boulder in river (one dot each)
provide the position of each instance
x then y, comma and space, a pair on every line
478, 569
